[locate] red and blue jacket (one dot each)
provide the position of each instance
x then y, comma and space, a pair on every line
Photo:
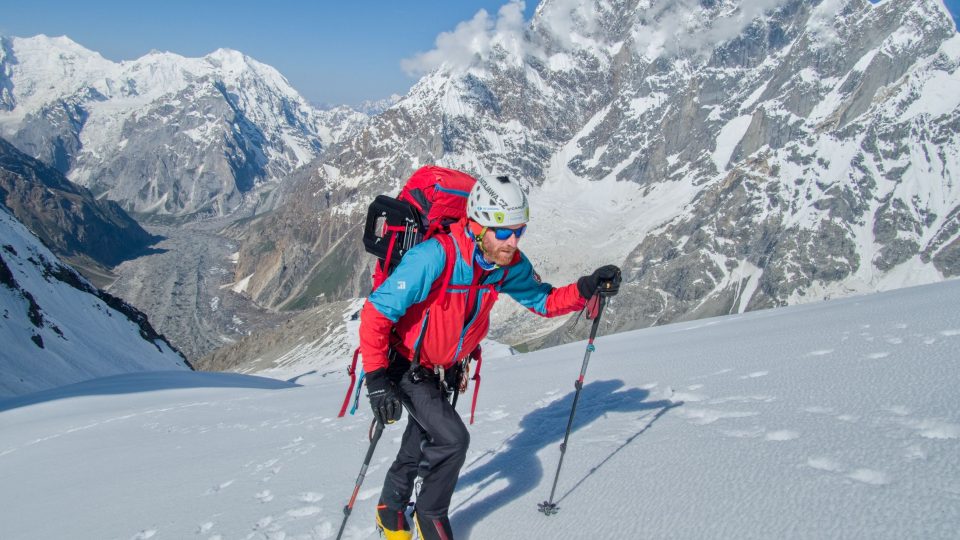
395, 314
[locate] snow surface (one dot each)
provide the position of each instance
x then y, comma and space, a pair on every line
831, 420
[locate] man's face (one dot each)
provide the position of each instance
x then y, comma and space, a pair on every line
500, 252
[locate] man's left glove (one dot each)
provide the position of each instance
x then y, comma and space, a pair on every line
383, 397
605, 280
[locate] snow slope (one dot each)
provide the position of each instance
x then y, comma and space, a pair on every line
831, 420
56, 329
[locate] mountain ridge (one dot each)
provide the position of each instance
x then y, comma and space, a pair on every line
766, 163
222, 123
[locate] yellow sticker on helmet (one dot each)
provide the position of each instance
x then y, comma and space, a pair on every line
498, 217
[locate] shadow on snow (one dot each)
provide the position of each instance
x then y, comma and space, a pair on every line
145, 381
519, 464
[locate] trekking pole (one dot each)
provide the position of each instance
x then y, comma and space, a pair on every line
549, 507
374, 438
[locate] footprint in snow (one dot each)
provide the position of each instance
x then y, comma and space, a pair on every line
951, 332
702, 417
820, 352
819, 410
144, 534
899, 410
263, 523
753, 433
311, 497
782, 435
369, 493
686, 397
205, 527
305, 511
271, 468
714, 374
756, 375
825, 464
549, 398
758, 432
498, 414
894, 340
293, 444
264, 496
866, 476
869, 476
217, 489
915, 453
265, 465
932, 428
743, 399
878, 355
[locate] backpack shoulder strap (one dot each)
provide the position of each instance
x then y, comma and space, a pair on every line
450, 260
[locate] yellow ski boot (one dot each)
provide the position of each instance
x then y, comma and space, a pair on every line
393, 523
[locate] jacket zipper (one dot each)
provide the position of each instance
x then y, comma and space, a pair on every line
473, 316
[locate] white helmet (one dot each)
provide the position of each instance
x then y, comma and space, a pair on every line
497, 201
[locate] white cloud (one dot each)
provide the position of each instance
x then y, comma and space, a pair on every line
822, 20
661, 27
569, 19
472, 40
669, 26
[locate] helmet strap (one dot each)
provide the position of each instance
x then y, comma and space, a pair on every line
478, 230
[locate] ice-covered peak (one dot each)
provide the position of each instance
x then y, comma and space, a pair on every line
62, 45
230, 60
96, 110
234, 67
44, 68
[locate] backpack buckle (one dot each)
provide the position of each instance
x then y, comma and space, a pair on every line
441, 376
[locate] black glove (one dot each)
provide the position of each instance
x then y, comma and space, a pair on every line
383, 397
605, 280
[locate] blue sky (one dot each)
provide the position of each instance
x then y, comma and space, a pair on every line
332, 51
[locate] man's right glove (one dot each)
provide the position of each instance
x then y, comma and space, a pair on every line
383, 397
605, 280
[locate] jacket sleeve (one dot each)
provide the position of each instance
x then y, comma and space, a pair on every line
409, 284
524, 286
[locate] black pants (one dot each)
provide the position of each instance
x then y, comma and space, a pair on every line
434, 444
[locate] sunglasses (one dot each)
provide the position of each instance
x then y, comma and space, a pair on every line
502, 233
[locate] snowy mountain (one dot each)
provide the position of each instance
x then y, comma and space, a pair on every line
319, 341
830, 420
375, 107
728, 155
161, 134
91, 235
58, 329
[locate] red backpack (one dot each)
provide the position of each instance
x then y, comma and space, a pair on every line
432, 198
430, 201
